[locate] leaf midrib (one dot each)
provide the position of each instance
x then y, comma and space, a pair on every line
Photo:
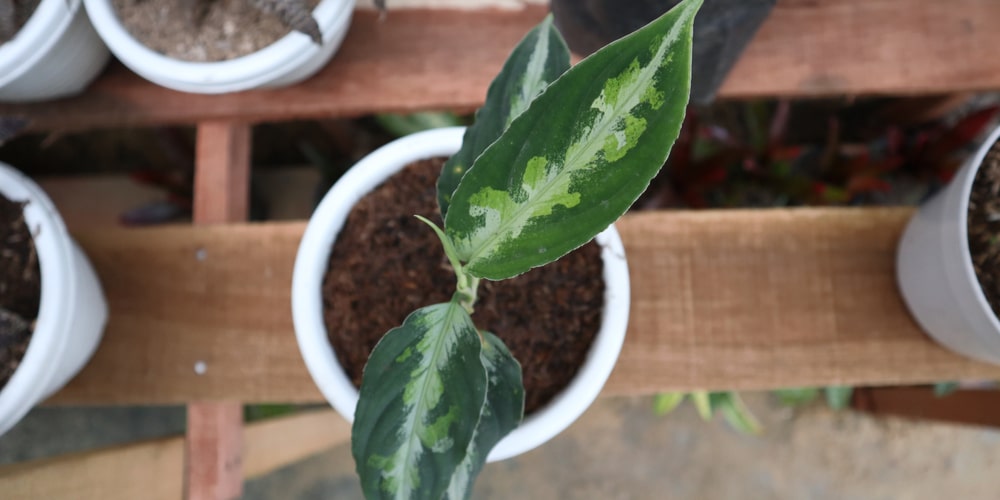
409, 445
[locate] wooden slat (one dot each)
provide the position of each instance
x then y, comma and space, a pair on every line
970, 407
150, 471
444, 59
273, 444
753, 299
153, 470
222, 172
214, 467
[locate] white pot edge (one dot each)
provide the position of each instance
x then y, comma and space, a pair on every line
935, 274
55, 54
72, 311
307, 308
289, 60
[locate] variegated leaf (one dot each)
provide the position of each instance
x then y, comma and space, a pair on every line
501, 414
535, 63
422, 391
580, 155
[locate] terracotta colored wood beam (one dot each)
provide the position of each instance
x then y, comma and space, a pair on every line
412, 62
215, 428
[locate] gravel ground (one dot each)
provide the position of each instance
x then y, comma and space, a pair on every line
620, 450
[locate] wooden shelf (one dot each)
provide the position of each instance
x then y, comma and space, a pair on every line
754, 299
424, 59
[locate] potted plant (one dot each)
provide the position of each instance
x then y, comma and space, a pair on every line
52, 308
946, 263
48, 49
208, 61
550, 163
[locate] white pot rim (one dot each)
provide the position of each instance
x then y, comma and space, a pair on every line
965, 191
33, 41
249, 71
311, 263
53, 245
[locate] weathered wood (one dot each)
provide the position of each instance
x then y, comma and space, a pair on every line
222, 172
444, 59
273, 444
754, 299
150, 471
214, 451
215, 428
153, 470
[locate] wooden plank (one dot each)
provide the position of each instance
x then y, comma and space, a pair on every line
97, 201
222, 172
215, 428
754, 299
969, 407
150, 471
273, 444
153, 470
214, 451
820, 48
424, 59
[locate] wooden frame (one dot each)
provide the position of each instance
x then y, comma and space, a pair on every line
413, 61
782, 297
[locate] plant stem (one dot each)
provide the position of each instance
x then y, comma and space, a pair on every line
466, 285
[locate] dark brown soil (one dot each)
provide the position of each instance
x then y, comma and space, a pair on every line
20, 287
14, 14
201, 30
386, 264
984, 226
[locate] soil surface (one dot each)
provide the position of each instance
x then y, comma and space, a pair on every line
386, 264
984, 226
20, 287
14, 14
201, 30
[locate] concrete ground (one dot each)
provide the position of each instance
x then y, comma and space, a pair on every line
620, 450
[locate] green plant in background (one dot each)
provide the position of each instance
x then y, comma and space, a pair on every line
549, 163
736, 413
837, 397
728, 403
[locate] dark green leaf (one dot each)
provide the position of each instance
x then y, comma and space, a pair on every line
502, 413
422, 391
580, 155
535, 63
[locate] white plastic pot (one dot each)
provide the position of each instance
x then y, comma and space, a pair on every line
72, 311
56, 54
313, 257
291, 59
936, 277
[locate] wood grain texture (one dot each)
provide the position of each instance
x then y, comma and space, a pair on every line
754, 299
153, 470
150, 471
275, 443
222, 172
214, 451
425, 59
214, 445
